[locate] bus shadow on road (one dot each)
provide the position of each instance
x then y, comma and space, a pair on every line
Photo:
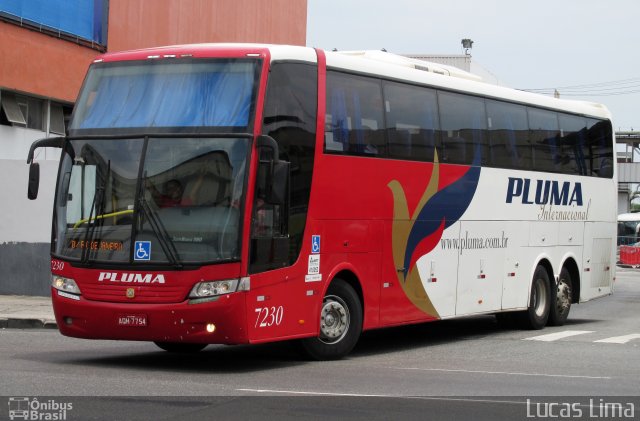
213, 359
237, 359
441, 333
426, 334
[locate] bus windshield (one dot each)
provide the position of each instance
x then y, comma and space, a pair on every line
167, 95
149, 200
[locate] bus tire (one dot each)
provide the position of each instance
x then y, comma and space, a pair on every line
537, 314
561, 300
180, 347
340, 324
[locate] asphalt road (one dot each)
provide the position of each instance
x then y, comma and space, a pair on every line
460, 369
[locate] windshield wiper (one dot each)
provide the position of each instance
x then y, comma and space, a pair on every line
167, 245
97, 205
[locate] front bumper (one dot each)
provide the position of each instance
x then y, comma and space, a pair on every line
175, 322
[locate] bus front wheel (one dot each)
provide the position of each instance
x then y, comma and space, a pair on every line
536, 316
340, 323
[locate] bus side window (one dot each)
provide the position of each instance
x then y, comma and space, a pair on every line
544, 133
412, 121
354, 113
464, 125
599, 149
573, 132
508, 135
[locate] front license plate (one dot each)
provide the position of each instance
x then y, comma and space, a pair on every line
134, 320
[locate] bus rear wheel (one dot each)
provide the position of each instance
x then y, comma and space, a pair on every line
179, 347
537, 315
561, 300
340, 323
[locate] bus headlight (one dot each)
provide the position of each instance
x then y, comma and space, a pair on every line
215, 288
65, 284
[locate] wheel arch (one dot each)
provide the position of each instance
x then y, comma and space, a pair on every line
545, 262
352, 279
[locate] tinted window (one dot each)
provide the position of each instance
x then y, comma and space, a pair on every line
463, 124
571, 147
599, 150
354, 119
412, 121
508, 136
463, 129
290, 118
544, 136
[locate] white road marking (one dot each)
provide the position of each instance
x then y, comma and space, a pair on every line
620, 339
299, 392
558, 335
365, 395
508, 373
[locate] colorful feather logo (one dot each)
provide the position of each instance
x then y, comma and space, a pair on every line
417, 233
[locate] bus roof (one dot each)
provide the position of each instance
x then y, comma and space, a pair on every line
377, 63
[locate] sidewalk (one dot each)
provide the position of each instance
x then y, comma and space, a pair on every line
23, 312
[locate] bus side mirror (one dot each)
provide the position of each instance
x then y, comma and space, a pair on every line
279, 191
273, 182
34, 181
273, 174
34, 167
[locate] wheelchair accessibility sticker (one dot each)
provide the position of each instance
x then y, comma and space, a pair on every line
142, 250
315, 244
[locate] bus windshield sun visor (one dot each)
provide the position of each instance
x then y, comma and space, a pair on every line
196, 94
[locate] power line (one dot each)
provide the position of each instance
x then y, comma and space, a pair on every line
611, 88
589, 85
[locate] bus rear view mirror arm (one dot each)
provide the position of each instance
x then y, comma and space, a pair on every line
50, 142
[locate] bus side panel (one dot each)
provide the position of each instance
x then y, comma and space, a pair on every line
358, 243
598, 260
515, 288
482, 248
395, 306
281, 304
285, 303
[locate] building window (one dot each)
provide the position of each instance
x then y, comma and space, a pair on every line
11, 111
33, 113
58, 117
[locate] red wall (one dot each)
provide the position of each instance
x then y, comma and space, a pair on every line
151, 23
43, 65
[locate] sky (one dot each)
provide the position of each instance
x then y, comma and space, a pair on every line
586, 49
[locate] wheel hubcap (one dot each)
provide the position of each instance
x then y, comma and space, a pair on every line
334, 319
563, 300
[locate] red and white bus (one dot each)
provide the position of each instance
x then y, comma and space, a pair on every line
232, 193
